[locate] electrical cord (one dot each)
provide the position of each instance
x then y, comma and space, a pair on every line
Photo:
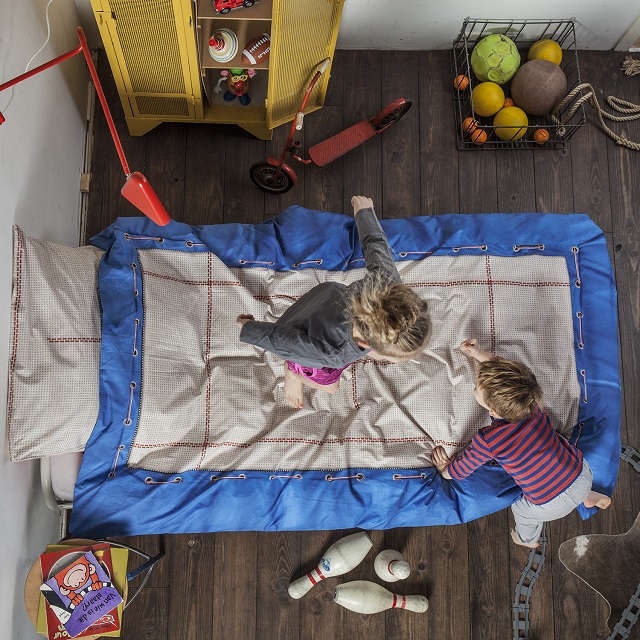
33, 57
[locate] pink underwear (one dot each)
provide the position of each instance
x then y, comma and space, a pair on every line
324, 376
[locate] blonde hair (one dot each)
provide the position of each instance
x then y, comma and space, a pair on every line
509, 388
392, 318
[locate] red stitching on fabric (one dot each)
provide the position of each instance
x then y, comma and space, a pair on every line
277, 297
492, 310
14, 346
64, 340
509, 283
320, 443
205, 444
354, 387
199, 283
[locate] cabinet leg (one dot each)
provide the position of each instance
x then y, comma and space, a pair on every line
138, 126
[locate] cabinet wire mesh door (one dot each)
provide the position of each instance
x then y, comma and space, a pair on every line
524, 33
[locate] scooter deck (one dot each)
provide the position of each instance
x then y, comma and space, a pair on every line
332, 148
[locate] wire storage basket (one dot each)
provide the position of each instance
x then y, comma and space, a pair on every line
524, 33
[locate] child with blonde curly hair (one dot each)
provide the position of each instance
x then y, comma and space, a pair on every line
552, 473
333, 325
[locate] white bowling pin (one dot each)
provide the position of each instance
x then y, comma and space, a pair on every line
391, 566
368, 597
340, 557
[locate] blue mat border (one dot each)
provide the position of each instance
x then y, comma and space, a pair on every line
113, 500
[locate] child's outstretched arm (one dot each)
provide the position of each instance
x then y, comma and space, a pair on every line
441, 462
375, 246
470, 348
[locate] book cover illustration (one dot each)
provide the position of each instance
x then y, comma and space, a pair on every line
80, 594
112, 559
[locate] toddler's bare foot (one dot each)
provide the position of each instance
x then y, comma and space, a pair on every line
293, 388
595, 499
516, 538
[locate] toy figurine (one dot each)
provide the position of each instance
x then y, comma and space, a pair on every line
237, 84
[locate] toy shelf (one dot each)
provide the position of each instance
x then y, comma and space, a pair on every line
524, 33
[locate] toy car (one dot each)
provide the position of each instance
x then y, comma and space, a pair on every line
224, 6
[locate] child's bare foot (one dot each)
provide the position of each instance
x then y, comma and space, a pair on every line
595, 499
516, 538
293, 388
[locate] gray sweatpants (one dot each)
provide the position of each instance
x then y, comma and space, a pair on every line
530, 517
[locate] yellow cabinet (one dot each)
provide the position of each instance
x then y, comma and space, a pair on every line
159, 56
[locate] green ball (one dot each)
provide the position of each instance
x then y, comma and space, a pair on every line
495, 59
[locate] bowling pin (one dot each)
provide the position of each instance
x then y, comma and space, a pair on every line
340, 557
391, 566
368, 597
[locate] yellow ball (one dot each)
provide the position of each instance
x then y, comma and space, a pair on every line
511, 123
487, 98
546, 50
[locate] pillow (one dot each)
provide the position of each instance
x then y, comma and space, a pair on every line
54, 355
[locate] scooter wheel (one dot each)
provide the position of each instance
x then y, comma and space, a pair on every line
263, 176
390, 114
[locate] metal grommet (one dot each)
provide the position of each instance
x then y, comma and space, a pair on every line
328, 477
127, 422
111, 475
213, 478
189, 243
148, 480
160, 240
396, 476
360, 477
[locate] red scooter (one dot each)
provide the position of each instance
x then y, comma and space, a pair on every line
275, 176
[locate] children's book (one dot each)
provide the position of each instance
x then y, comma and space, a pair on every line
80, 593
113, 559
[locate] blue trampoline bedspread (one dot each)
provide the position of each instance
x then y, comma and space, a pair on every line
112, 499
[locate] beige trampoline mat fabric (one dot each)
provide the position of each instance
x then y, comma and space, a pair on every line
52, 402
210, 402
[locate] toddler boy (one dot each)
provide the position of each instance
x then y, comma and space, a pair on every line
551, 472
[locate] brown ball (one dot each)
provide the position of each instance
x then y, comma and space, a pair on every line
538, 86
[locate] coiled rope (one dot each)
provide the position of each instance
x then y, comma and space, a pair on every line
630, 67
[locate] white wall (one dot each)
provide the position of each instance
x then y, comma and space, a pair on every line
431, 24
41, 153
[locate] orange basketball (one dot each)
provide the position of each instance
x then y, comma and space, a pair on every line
461, 82
469, 125
540, 136
508, 102
479, 137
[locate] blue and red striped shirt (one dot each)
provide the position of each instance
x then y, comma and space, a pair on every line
540, 460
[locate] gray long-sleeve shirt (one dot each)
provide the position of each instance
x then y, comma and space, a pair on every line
317, 331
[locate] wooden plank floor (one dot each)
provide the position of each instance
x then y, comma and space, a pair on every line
232, 586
